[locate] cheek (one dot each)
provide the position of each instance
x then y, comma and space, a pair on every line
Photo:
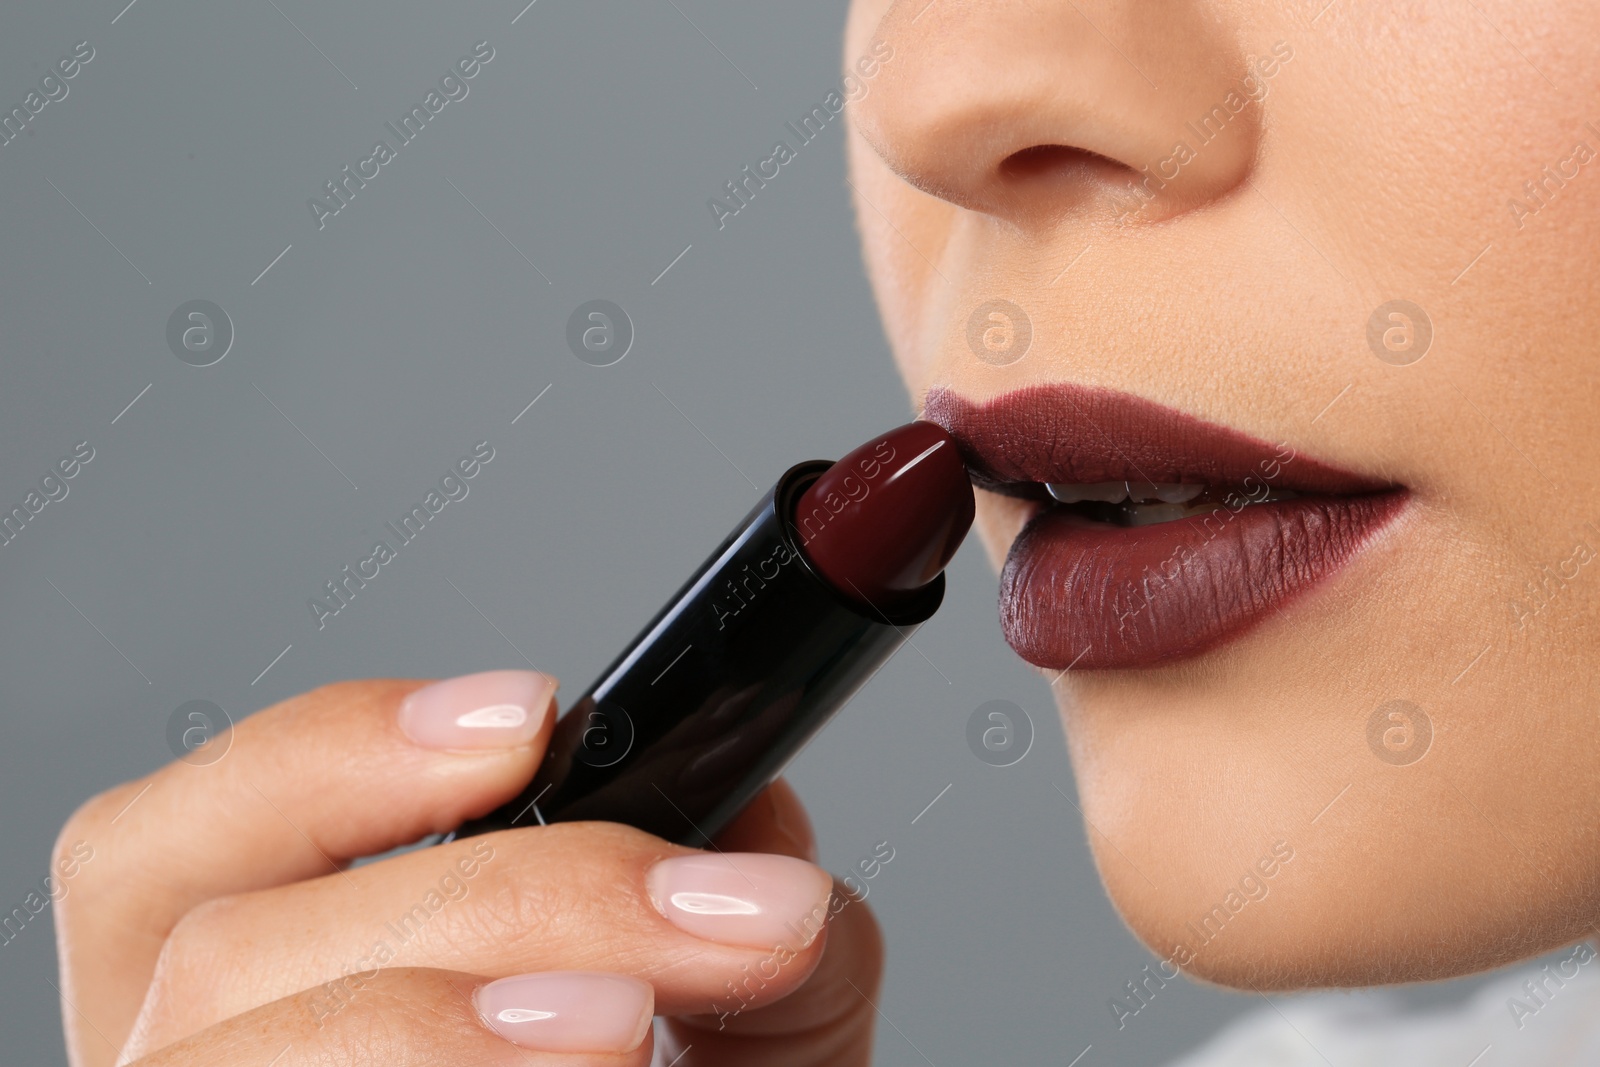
903, 232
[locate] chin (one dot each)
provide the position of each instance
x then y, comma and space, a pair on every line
1248, 837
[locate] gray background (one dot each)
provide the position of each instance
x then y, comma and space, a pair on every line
375, 352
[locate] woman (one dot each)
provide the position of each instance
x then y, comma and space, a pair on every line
1265, 328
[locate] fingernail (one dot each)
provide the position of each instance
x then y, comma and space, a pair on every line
493, 709
743, 898
568, 1011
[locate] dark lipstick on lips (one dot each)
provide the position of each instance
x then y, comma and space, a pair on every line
821, 583
1153, 535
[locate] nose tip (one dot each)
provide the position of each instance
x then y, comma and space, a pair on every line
1034, 112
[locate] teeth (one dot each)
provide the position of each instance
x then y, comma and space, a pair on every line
1103, 492
1178, 494
1150, 514
1147, 503
1119, 492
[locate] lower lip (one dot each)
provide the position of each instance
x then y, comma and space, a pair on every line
1093, 596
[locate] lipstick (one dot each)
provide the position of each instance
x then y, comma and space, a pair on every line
826, 577
1092, 585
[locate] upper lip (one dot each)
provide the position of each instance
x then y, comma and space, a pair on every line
1067, 433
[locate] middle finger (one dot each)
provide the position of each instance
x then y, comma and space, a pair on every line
702, 927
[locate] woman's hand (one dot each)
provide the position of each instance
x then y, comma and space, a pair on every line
219, 920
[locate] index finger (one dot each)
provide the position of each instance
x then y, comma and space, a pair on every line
348, 770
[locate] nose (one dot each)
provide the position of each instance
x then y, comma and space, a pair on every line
1034, 112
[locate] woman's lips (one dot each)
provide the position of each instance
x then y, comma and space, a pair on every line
1093, 595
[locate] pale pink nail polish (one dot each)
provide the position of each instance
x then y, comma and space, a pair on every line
493, 709
568, 1011
743, 898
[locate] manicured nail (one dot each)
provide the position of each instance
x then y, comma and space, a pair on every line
568, 1011
494, 709
743, 898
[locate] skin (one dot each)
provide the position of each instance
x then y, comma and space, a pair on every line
218, 902
1379, 164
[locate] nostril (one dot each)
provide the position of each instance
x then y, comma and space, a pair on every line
1039, 114
1058, 161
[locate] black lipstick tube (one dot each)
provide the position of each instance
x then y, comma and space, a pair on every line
724, 686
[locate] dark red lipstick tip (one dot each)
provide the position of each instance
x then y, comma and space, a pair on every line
882, 522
